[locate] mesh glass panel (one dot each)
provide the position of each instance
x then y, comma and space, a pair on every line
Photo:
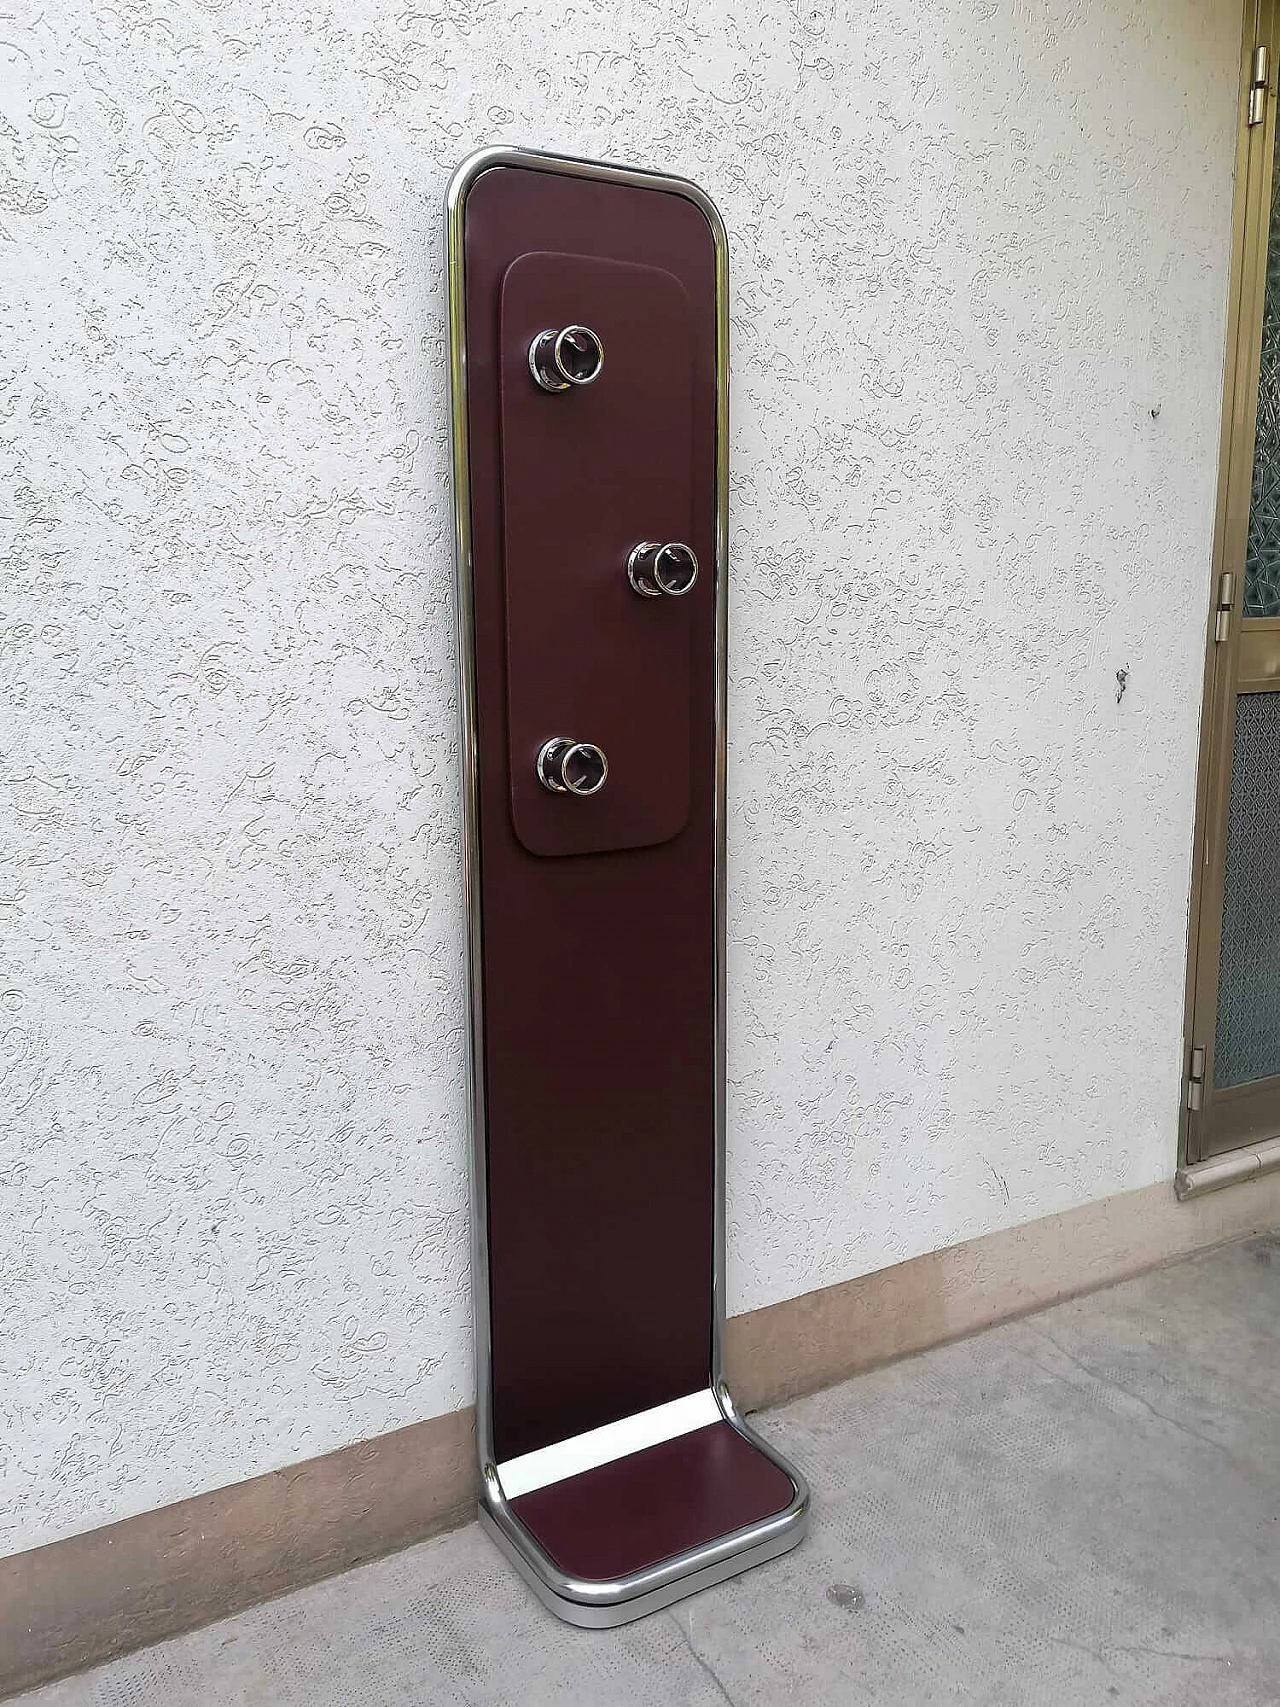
1248, 1031
1262, 553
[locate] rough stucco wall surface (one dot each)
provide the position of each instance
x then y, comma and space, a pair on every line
979, 266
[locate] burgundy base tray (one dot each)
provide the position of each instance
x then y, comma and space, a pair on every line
638, 1512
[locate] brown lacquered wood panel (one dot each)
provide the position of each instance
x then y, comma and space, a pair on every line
598, 1049
586, 476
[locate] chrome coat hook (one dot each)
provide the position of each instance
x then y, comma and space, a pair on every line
572, 767
654, 569
574, 356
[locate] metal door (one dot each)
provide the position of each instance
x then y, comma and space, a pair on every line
1232, 1101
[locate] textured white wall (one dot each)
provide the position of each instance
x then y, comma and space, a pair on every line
975, 250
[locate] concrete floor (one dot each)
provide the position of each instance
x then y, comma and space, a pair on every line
1080, 1508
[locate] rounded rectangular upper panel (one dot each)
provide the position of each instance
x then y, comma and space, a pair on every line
589, 473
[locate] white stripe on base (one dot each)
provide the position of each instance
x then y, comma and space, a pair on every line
602, 1445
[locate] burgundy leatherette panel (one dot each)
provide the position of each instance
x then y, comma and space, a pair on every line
598, 1050
586, 475
637, 1511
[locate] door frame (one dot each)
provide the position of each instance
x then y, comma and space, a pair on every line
1216, 1123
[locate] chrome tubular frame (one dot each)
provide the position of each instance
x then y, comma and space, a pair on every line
621, 1599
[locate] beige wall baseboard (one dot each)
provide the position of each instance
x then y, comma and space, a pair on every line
808, 1342
80, 1601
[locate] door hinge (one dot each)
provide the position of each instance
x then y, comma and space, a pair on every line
1222, 611
1195, 1079
1258, 85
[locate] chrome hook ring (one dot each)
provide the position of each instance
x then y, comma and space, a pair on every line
572, 767
654, 569
572, 356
